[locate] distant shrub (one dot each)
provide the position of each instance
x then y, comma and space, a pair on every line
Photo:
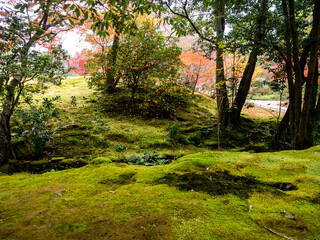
147, 159
196, 139
174, 136
152, 100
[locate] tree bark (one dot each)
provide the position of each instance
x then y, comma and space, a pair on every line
289, 66
306, 122
221, 88
244, 88
111, 78
297, 69
246, 79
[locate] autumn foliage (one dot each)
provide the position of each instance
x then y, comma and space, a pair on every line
78, 63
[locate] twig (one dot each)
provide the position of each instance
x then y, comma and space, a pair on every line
71, 120
272, 231
269, 229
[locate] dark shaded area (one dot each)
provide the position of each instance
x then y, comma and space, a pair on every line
41, 166
222, 182
122, 179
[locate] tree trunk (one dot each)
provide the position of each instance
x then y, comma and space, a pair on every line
221, 88
306, 123
112, 79
6, 151
244, 87
289, 70
297, 69
246, 79
3, 152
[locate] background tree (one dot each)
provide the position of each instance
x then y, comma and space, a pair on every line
148, 63
248, 18
197, 67
78, 63
23, 25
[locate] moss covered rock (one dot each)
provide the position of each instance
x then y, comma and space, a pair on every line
101, 160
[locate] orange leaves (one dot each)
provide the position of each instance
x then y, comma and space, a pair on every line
79, 62
198, 69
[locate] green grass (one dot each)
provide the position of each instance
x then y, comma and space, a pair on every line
118, 201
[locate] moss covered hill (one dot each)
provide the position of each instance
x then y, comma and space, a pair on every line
201, 194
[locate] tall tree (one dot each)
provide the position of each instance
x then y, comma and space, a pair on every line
207, 19
260, 24
23, 24
299, 52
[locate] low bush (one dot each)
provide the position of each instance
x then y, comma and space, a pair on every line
147, 159
31, 125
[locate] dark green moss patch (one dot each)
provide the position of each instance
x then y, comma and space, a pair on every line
42, 166
284, 186
221, 183
122, 179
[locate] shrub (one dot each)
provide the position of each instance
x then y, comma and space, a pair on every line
174, 136
162, 100
31, 124
147, 159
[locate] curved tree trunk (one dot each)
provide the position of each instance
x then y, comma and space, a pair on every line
244, 88
289, 67
246, 79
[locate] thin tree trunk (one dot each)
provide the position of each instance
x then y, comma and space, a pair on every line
112, 80
244, 87
289, 70
221, 88
197, 78
297, 69
246, 79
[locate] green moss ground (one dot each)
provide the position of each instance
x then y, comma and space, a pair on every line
119, 201
204, 194
86, 138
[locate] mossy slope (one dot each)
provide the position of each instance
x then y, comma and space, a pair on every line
118, 201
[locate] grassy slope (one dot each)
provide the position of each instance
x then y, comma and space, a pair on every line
119, 201
136, 134
205, 195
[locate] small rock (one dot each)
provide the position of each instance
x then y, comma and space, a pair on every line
292, 217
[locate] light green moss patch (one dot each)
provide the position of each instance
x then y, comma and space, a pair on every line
100, 160
118, 201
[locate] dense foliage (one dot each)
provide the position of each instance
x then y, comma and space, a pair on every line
147, 68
